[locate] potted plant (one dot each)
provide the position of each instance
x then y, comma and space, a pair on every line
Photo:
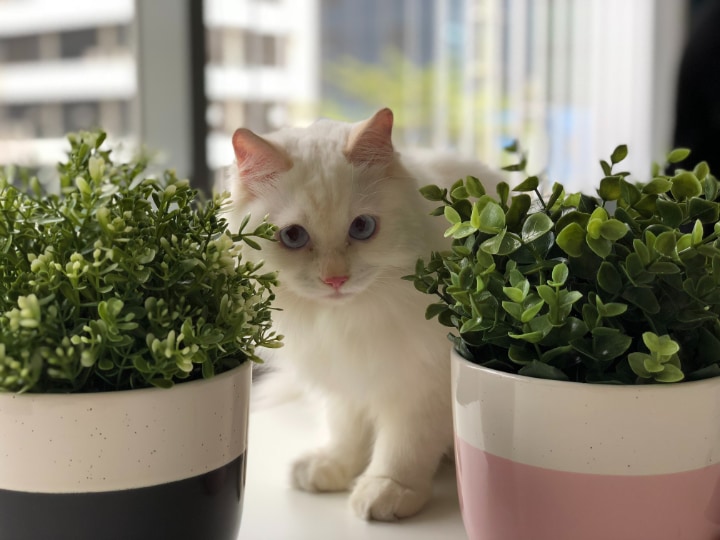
112, 292
586, 354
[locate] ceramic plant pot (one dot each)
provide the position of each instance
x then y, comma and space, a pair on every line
549, 460
141, 464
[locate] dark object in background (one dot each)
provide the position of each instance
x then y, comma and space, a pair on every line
697, 111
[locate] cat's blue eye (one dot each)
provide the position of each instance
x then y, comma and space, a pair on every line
362, 227
294, 237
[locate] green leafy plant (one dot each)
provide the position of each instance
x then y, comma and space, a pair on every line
122, 280
621, 287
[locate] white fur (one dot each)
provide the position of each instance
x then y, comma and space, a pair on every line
382, 367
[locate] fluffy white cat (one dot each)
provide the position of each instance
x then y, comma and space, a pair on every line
351, 224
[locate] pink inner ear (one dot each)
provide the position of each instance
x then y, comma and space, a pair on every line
370, 143
257, 159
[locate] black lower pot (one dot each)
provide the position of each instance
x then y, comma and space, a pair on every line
204, 507
137, 465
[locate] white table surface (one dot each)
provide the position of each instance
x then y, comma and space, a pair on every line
272, 510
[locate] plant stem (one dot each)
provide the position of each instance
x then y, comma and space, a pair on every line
542, 201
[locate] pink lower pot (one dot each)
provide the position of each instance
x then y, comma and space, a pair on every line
549, 460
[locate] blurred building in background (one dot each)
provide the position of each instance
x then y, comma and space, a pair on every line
262, 68
570, 78
63, 68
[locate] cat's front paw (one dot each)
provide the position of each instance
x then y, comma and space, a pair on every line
320, 472
383, 499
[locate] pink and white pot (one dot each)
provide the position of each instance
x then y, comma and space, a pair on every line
550, 460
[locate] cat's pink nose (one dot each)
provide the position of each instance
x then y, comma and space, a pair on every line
335, 281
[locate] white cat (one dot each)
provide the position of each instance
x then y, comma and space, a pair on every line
351, 224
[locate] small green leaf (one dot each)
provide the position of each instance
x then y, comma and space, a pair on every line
652, 365
642, 298
492, 218
670, 374
515, 294
567, 298
463, 230
548, 294
560, 274
514, 309
503, 191
459, 193
671, 212
637, 364
657, 186
707, 211
452, 215
613, 229
646, 205
666, 243
432, 193
594, 228
530, 337
701, 170
517, 167
510, 243
502, 244
471, 325
531, 310
557, 193
571, 239
664, 268
697, 233
619, 154
208, 369
536, 226
609, 278
520, 355
519, 206
606, 167
609, 343
474, 187
609, 189
529, 184
541, 370
686, 185
678, 155
642, 251
612, 309
590, 316
662, 345
475, 216
600, 246
433, 310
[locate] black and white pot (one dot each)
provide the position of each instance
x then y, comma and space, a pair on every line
148, 464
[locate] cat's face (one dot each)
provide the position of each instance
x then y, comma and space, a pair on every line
340, 200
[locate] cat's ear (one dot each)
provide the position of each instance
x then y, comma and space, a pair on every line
370, 142
257, 160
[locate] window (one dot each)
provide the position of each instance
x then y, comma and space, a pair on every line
81, 116
77, 43
569, 78
19, 121
19, 49
262, 50
257, 116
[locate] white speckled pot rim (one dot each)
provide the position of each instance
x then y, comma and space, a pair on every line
78, 443
587, 428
